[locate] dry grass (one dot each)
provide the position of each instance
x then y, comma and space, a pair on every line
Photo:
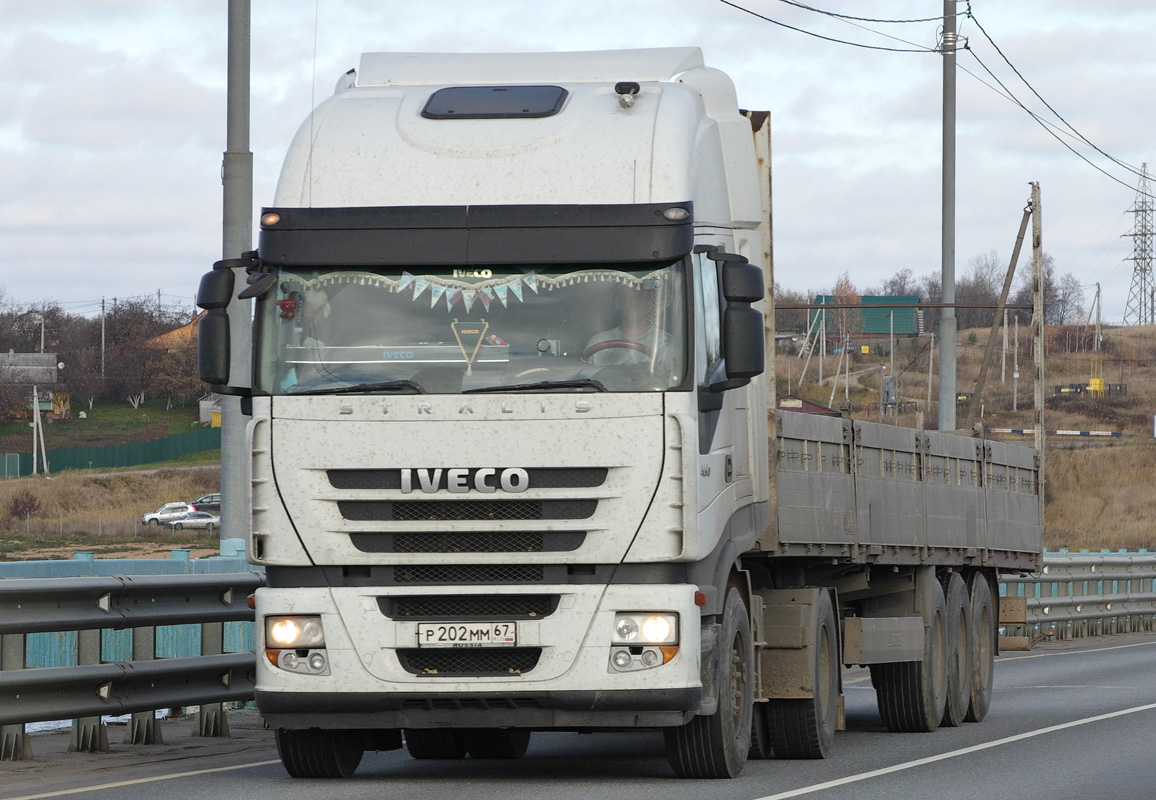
48, 517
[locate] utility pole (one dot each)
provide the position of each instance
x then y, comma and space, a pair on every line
1038, 331
947, 390
102, 338
237, 238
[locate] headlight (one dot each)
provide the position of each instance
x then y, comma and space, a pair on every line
645, 627
294, 633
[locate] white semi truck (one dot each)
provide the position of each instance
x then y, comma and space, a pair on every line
515, 459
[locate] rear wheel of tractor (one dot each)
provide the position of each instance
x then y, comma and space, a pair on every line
439, 743
717, 746
505, 743
319, 753
913, 694
959, 657
983, 646
806, 728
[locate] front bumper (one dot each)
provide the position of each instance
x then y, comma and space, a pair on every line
572, 685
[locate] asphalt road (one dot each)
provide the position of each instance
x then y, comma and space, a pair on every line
1069, 720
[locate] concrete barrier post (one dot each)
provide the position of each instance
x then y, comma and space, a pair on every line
89, 734
15, 744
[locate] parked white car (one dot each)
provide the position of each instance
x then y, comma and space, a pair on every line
166, 513
196, 519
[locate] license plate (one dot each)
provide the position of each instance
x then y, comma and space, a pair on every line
471, 634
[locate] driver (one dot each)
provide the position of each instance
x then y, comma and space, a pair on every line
636, 339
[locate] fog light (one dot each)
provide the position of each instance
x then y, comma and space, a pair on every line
620, 659
289, 661
317, 662
650, 657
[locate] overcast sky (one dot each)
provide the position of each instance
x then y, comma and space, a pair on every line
112, 124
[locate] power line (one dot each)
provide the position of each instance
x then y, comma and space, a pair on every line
859, 19
1007, 93
1059, 116
825, 38
1043, 125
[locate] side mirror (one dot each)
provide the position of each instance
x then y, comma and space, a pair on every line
213, 295
742, 282
743, 343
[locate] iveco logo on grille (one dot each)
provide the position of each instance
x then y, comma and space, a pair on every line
486, 480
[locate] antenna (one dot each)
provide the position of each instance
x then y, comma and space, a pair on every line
1139, 310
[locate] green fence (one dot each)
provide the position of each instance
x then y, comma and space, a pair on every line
125, 455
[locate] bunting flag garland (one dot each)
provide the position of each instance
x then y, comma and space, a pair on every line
503, 289
419, 286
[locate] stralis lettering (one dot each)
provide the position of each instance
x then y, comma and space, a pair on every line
464, 479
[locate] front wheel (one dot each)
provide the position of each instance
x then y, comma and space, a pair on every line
178, 526
717, 746
320, 753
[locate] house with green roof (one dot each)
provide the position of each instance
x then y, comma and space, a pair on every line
876, 315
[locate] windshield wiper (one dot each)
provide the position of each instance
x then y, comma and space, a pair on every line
575, 383
368, 387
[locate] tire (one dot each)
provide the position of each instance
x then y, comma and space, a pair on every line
439, 743
760, 748
959, 657
806, 728
913, 694
154, 521
177, 526
210, 527
504, 743
984, 645
716, 746
320, 753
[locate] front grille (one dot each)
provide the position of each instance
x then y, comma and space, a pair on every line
540, 478
469, 660
469, 608
474, 573
469, 542
462, 510
479, 703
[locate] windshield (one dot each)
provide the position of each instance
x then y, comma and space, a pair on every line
473, 329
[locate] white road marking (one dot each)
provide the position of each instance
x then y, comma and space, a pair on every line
953, 754
138, 781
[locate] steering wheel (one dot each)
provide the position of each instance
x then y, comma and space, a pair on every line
614, 344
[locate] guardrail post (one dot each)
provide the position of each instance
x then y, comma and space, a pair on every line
89, 734
211, 719
144, 728
15, 745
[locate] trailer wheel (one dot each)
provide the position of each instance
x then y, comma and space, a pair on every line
320, 753
806, 728
913, 694
959, 656
983, 647
438, 743
716, 746
506, 743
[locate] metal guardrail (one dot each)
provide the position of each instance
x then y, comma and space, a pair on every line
1072, 596
90, 689
1084, 595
